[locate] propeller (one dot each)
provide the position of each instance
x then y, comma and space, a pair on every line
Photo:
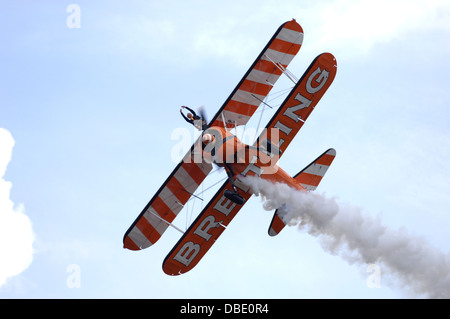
202, 112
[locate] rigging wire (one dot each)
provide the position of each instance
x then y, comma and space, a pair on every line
190, 210
259, 121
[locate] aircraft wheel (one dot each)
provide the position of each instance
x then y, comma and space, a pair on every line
234, 197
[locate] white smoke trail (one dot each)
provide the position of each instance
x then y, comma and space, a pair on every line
345, 231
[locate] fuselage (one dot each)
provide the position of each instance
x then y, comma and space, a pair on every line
226, 150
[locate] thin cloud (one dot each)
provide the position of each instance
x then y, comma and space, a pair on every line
357, 26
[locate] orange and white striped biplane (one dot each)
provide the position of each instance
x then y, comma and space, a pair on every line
217, 145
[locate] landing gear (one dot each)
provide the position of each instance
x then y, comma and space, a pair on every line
232, 195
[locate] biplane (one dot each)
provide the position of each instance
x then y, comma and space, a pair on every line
219, 146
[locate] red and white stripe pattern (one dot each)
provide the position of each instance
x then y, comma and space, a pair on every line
260, 78
311, 176
166, 204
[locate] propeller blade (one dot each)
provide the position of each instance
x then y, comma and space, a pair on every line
202, 112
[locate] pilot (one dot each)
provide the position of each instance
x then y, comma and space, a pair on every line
193, 118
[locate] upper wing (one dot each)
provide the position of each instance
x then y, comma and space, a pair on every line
204, 231
262, 75
168, 200
298, 105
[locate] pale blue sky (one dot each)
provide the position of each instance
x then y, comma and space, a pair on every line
92, 111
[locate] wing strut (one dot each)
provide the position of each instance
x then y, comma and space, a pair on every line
224, 122
286, 72
165, 221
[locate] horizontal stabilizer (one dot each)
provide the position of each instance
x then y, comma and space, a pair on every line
309, 178
312, 174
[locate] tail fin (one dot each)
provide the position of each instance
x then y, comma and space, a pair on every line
309, 178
